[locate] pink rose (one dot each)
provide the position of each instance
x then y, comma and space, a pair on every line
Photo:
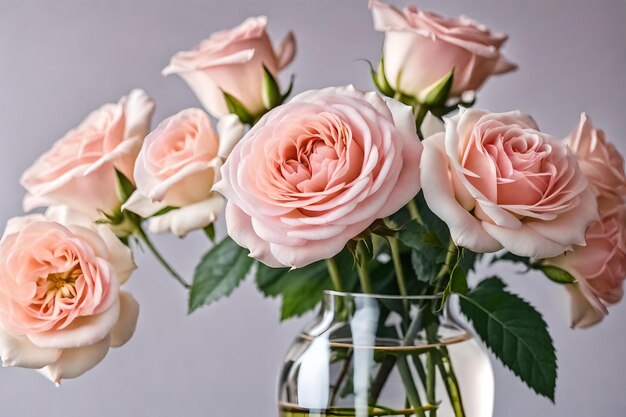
176, 169
421, 48
232, 61
599, 268
61, 307
79, 170
498, 182
600, 161
314, 173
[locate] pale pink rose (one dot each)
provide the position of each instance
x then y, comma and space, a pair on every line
600, 161
232, 61
422, 47
79, 170
176, 169
599, 268
61, 307
314, 173
498, 182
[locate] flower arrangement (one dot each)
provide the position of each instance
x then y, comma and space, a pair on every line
399, 191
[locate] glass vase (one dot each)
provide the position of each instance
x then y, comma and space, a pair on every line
370, 355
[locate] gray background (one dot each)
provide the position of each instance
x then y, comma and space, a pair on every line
60, 59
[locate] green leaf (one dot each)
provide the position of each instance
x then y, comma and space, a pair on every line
380, 79
433, 223
271, 91
515, 332
125, 187
510, 257
468, 259
219, 272
556, 274
164, 210
209, 231
426, 257
438, 93
458, 281
289, 89
302, 289
236, 107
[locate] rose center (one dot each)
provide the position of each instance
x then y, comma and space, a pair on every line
58, 284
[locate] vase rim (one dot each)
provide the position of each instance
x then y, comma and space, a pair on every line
346, 294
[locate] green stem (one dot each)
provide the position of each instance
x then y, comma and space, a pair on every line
448, 265
431, 370
409, 385
452, 384
390, 361
335, 276
381, 377
146, 240
419, 112
364, 275
394, 246
431, 378
342, 375
414, 212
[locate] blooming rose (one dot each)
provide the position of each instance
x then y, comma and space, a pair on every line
314, 173
600, 161
79, 170
599, 268
176, 168
497, 181
232, 61
61, 307
421, 48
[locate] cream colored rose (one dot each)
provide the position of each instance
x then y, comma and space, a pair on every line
61, 307
79, 170
176, 169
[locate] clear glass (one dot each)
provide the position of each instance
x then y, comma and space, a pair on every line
368, 355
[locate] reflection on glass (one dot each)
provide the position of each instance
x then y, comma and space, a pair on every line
385, 356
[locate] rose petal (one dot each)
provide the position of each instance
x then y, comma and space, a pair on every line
83, 331
569, 228
19, 351
74, 362
142, 205
241, 231
189, 218
583, 314
525, 241
465, 229
286, 50
230, 130
127, 322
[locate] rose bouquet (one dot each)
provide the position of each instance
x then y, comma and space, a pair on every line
378, 203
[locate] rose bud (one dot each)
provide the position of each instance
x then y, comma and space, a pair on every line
232, 62
421, 48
